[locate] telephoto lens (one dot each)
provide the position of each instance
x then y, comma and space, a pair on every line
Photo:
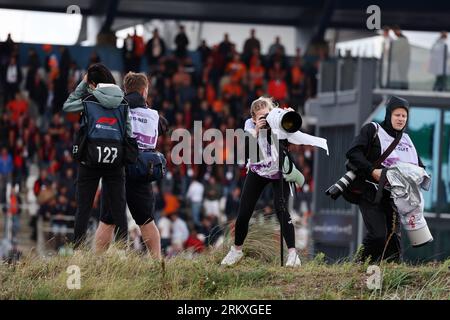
291, 121
336, 189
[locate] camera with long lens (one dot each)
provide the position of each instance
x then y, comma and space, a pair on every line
283, 120
341, 185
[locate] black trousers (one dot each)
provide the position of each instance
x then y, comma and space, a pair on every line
140, 200
253, 187
381, 222
87, 183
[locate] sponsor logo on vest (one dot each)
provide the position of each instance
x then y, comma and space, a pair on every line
99, 126
412, 221
106, 120
142, 120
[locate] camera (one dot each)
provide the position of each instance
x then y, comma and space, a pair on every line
284, 120
265, 118
286, 124
341, 185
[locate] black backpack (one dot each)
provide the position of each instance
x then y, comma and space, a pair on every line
102, 140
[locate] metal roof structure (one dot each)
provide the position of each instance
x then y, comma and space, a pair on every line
350, 14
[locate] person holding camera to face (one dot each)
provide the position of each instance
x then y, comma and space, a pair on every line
100, 145
376, 148
262, 172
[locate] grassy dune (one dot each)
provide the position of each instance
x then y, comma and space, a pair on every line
258, 276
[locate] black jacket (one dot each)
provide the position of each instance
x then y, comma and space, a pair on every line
366, 148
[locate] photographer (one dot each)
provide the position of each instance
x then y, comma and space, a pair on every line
382, 222
104, 127
260, 174
147, 126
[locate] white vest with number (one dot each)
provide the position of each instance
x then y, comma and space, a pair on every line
144, 123
403, 152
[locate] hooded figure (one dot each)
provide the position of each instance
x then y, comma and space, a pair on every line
380, 219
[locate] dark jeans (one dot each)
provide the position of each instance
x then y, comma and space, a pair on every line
87, 183
253, 187
379, 222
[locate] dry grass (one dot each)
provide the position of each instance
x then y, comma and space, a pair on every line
116, 275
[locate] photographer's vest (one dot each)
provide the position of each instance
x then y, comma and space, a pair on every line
144, 123
268, 167
403, 152
106, 131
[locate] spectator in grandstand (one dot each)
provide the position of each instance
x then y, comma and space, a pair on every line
154, 50
38, 92
93, 59
195, 242
138, 51
195, 197
11, 78
213, 193
33, 64
59, 217
180, 233
6, 170
232, 204
438, 62
20, 168
13, 213
297, 84
211, 230
256, 75
276, 47
128, 54
18, 107
204, 51
7, 48
401, 57
165, 230
226, 50
181, 43
250, 45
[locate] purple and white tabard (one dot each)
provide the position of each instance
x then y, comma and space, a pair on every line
144, 122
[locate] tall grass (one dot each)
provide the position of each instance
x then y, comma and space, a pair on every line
126, 275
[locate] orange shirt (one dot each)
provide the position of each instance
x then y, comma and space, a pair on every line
237, 70
296, 75
17, 108
217, 106
257, 75
277, 89
172, 203
14, 205
232, 89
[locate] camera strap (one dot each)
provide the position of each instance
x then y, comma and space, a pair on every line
388, 151
383, 181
